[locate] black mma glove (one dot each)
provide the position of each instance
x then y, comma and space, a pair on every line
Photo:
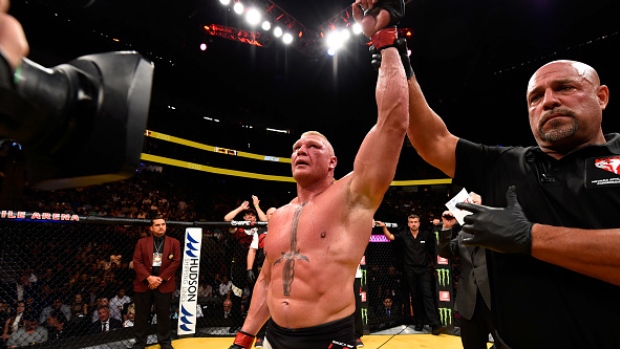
401, 45
375, 57
251, 276
387, 36
504, 230
243, 340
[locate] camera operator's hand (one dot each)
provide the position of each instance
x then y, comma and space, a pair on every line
13, 43
504, 230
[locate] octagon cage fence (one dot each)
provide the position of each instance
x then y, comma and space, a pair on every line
61, 268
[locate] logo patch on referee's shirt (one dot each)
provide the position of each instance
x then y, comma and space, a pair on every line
602, 172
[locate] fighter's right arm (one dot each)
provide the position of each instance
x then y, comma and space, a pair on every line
375, 163
428, 133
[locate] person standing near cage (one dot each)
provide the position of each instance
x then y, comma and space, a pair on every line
473, 300
155, 260
418, 253
243, 236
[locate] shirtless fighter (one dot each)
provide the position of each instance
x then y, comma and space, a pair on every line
316, 241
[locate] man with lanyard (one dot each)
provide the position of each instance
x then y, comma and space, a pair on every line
155, 260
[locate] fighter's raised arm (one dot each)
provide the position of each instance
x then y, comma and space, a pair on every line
376, 160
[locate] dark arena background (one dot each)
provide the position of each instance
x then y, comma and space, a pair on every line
227, 103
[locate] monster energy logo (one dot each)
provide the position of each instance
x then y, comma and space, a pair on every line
444, 277
445, 315
364, 315
363, 281
436, 237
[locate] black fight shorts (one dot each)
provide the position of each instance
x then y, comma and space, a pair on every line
332, 335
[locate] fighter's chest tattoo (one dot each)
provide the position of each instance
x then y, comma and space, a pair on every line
289, 258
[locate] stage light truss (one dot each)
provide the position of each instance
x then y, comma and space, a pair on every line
307, 41
240, 35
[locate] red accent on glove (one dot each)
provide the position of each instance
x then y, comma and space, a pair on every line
244, 339
384, 38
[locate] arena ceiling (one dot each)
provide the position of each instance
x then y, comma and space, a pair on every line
472, 57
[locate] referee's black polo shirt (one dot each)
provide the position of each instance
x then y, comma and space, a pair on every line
536, 304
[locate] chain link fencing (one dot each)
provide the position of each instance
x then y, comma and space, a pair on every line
59, 268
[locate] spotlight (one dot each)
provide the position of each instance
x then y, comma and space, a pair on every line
336, 39
238, 8
287, 38
253, 16
277, 32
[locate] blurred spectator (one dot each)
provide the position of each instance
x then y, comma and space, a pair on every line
78, 307
387, 314
102, 301
31, 333
226, 314
59, 327
131, 313
56, 305
5, 312
82, 284
205, 291
104, 322
391, 285
225, 287
117, 304
15, 322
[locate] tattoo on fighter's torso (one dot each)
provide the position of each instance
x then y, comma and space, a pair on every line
288, 270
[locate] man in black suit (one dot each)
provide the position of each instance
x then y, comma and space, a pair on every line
387, 312
105, 322
473, 298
